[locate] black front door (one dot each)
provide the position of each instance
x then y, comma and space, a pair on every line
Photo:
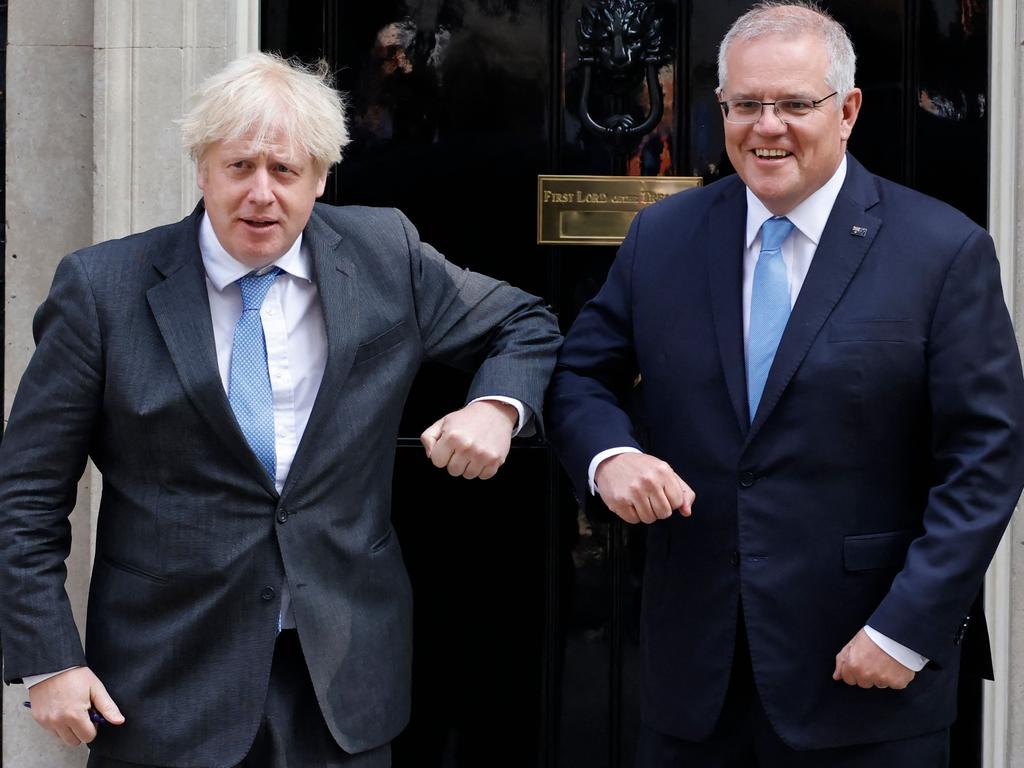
526, 611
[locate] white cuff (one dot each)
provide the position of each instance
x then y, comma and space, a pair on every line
30, 680
596, 461
910, 659
521, 422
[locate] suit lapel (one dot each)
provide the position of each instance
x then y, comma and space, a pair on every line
847, 237
724, 234
181, 307
335, 274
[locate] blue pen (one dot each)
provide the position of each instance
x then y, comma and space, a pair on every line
95, 716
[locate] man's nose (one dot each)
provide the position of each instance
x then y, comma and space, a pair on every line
261, 187
769, 121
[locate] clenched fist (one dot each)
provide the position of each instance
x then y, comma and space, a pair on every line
642, 489
472, 441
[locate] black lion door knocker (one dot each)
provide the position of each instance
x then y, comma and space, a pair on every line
620, 42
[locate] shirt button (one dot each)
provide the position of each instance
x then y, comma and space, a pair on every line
268, 593
747, 479
282, 515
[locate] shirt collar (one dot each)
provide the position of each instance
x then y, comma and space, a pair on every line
223, 269
809, 217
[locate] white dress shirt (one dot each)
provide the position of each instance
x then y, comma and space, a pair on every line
809, 219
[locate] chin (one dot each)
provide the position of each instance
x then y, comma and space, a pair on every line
255, 257
769, 193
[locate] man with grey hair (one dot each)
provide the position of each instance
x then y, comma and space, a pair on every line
238, 379
833, 401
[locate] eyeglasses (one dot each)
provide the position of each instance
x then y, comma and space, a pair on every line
747, 111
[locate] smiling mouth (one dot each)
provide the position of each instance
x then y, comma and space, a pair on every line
771, 154
258, 224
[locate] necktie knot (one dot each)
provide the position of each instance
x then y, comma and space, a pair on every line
773, 232
255, 286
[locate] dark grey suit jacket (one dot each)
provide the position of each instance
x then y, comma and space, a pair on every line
193, 543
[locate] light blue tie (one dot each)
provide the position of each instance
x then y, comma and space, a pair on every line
769, 308
249, 390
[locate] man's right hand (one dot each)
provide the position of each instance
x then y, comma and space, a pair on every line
642, 489
61, 704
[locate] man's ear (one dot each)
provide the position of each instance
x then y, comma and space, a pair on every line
321, 183
201, 175
851, 108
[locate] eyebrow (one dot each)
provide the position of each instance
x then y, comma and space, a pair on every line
788, 97
272, 157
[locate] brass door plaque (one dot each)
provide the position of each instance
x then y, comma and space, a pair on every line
597, 210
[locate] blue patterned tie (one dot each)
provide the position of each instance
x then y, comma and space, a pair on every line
769, 308
249, 390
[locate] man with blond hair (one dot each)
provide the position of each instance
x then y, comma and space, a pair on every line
833, 402
238, 379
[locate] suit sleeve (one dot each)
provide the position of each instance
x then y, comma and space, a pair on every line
474, 322
596, 368
977, 403
53, 421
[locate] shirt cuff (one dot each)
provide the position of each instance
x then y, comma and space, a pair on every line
596, 461
521, 421
910, 659
30, 680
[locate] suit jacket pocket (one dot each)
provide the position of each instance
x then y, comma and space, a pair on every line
380, 344
892, 331
383, 542
876, 550
117, 565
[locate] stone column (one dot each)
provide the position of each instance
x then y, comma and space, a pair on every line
1004, 596
94, 89
1013, 69
49, 213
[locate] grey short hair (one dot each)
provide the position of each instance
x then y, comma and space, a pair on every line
274, 101
791, 19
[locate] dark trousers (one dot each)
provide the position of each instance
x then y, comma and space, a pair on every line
744, 738
293, 733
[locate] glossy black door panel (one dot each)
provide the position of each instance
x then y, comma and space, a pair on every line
476, 555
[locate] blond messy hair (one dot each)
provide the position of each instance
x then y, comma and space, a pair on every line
273, 101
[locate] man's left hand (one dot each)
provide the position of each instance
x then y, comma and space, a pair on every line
472, 441
863, 663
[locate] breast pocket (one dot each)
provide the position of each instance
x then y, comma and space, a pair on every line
378, 345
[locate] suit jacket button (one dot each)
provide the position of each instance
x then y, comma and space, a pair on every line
267, 593
282, 515
747, 479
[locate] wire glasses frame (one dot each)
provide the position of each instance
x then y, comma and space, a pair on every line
748, 111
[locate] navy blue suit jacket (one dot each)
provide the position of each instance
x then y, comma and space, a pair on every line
872, 486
